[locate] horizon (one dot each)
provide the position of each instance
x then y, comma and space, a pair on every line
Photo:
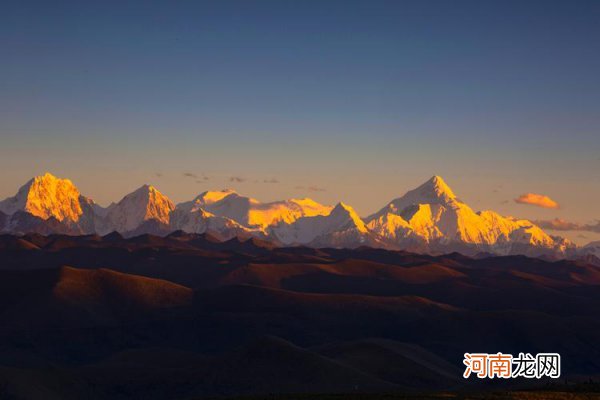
335, 101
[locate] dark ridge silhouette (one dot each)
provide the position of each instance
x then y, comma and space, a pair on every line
188, 316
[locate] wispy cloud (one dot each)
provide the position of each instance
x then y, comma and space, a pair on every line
538, 200
158, 174
272, 180
237, 179
559, 224
198, 178
311, 188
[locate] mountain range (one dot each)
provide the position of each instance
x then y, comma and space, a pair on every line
429, 219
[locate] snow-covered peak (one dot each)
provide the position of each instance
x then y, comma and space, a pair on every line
211, 197
341, 207
226, 200
344, 213
145, 191
250, 212
429, 218
309, 207
304, 230
306, 202
47, 196
143, 196
144, 204
434, 191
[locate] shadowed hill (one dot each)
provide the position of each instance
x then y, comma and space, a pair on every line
70, 297
122, 292
187, 316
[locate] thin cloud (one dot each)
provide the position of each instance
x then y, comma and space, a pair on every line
559, 224
311, 188
158, 174
237, 179
537, 200
196, 177
272, 180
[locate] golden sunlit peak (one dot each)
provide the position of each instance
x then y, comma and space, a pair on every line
148, 188
47, 196
48, 180
438, 187
306, 201
210, 197
342, 209
343, 205
145, 191
144, 204
48, 177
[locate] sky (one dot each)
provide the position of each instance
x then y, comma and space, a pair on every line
357, 101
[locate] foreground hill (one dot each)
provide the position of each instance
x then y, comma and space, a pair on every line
186, 316
430, 219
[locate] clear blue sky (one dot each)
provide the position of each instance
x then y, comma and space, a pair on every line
363, 99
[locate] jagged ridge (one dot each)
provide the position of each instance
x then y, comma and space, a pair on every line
428, 219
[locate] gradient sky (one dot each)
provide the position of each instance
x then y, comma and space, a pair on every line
336, 100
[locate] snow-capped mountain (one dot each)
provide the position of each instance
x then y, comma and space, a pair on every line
144, 207
201, 221
46, 204
428, 219
342, 227
192, 217
250, 212
431, 218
